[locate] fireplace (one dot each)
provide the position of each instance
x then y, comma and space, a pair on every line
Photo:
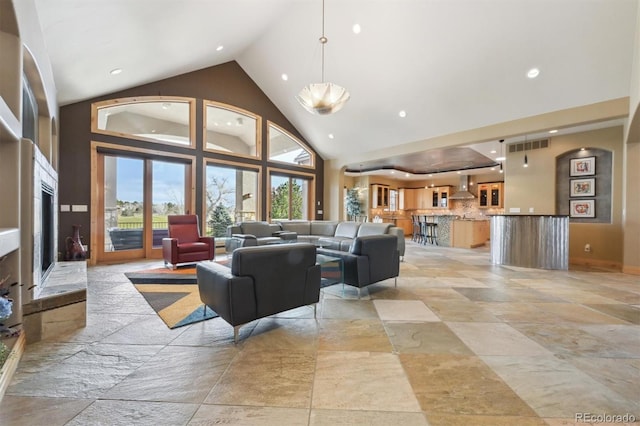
47, 231
39, 234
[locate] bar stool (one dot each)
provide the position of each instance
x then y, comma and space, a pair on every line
434, 231
429, 222
422, 220
415, 234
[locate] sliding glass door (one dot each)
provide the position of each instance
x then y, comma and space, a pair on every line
135, 197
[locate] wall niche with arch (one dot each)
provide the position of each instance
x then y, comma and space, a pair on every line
589, 188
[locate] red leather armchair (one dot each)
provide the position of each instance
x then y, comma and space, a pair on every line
185, 245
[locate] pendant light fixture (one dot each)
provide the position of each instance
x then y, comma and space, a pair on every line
526, 160
323, 98
501, 154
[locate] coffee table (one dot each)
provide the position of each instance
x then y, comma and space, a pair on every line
331, 269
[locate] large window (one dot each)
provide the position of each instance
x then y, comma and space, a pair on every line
285, 148
290, 197
231, 130
137, 190
231, 195
156, 119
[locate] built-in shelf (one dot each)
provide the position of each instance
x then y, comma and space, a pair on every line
9, 240
8, 121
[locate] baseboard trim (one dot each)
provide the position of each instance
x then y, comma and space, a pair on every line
608, 264
633, 270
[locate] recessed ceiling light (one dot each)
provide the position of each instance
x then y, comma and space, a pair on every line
402, 113
219, 48
356, 28
501, 158
331, 136
115, 71
393, 172
430, 175
493, 151
284, 77
553, 131
406, 174
459, 172
533, 73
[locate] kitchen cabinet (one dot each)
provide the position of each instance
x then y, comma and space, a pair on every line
379, 196
490, 195
440, 198
406, 199
405, 224
412, 199
422, 198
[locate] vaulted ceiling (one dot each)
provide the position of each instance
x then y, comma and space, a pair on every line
451, 65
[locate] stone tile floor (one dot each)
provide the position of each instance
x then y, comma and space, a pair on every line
458, 342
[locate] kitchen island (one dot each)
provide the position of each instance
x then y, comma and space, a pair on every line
530, 241
453, 231
469, 233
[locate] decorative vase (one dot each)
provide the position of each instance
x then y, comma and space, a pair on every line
75, 250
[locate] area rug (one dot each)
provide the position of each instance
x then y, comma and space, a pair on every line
173, 294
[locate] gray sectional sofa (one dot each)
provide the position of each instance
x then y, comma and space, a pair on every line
326, 234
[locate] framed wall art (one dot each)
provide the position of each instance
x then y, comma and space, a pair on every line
583, 187
583, 166
582, 208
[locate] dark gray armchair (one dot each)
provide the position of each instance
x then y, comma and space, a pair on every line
370, 259
262, 281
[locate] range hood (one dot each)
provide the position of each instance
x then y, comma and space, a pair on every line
463, 193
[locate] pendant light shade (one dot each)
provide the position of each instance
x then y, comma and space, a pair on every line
323, 98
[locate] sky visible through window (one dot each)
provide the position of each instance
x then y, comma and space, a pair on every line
168, 181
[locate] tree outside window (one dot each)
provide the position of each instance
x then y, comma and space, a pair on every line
287, 200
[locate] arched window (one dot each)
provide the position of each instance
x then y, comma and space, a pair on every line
286, 148
160, 119
231, 130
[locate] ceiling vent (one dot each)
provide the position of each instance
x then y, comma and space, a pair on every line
529, 145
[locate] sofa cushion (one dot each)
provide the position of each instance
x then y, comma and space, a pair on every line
335, 243
347, 229
300, 227
323, 228
259, 229
192, 247
184, 233
373, 229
